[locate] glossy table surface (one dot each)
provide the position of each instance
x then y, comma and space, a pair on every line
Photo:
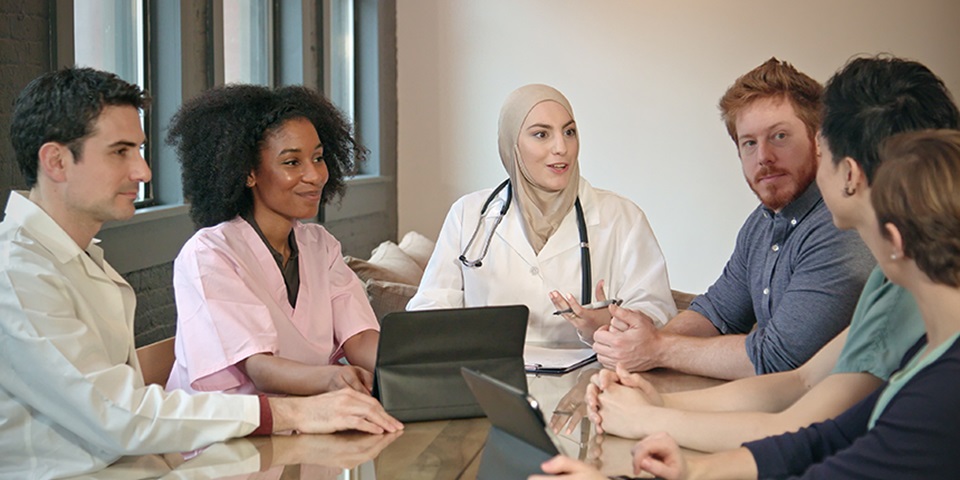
445, 449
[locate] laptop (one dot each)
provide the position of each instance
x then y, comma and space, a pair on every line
417, 377
519, 439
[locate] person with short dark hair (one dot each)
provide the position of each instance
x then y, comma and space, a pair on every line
791, 283
266, 303
72, 395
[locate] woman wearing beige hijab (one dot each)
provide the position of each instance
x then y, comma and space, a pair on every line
546, 238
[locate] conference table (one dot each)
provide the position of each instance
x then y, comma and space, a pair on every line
444, 449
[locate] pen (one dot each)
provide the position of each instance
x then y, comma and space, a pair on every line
592, 306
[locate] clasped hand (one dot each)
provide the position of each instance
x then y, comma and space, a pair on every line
631, 340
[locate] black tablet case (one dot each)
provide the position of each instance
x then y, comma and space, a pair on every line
420, 354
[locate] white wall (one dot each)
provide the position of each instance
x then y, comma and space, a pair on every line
643, 77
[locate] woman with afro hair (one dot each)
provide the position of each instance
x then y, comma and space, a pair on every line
265, 303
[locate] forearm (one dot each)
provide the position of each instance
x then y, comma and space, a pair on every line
691, 323
764, 393
715, 431
721, 356
719, 431
772, 392
736, 464
271, 374
361, 349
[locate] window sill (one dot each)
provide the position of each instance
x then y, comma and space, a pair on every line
366, 194
153, 236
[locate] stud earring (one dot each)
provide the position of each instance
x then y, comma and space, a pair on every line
894, 256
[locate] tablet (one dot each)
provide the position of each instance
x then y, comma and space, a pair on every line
513, 411
417, 376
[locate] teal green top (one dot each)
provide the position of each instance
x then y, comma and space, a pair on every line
885, 324
899, 379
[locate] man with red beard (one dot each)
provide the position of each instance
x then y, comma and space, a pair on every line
793, 280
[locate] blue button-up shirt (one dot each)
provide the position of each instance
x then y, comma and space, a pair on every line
794, 276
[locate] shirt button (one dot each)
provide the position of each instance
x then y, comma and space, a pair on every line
534, 271
775, 247
766, 291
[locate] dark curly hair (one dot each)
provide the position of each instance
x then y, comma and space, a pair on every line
218, 136
62, 107
873, 98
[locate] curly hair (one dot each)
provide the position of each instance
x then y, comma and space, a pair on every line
62, 107
218, 136
773, 79
915, 189
873, 98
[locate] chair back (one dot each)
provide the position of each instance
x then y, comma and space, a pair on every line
156, 361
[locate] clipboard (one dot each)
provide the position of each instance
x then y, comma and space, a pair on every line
556, 361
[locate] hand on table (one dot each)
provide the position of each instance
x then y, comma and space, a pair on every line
585, 321
343, 409
632, 340
336, 377
660, 456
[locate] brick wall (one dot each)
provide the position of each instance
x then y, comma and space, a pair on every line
24, 54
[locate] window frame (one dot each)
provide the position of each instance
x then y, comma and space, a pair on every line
182, 36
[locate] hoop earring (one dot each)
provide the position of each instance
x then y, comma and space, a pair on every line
848, 192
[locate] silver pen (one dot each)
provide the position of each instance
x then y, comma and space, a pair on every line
592, 306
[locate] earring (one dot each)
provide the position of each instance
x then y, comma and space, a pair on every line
250, 183
894, 256
848, 192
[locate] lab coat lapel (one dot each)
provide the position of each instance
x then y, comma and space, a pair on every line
511, 232
110, 296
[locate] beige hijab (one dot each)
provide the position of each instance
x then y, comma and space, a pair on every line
542, 210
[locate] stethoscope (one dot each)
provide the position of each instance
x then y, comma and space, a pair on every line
585, 274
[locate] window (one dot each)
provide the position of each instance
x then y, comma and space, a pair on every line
247, 42
109, 35
341, 56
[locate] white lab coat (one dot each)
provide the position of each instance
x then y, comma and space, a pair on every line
624, 253
72, 398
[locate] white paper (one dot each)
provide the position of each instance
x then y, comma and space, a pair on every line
561, 359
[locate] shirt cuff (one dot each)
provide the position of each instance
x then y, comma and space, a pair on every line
266, 417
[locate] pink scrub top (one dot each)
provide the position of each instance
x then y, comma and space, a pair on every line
232, 303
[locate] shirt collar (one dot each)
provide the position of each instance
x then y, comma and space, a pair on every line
291, 240
800, 206
45, 229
